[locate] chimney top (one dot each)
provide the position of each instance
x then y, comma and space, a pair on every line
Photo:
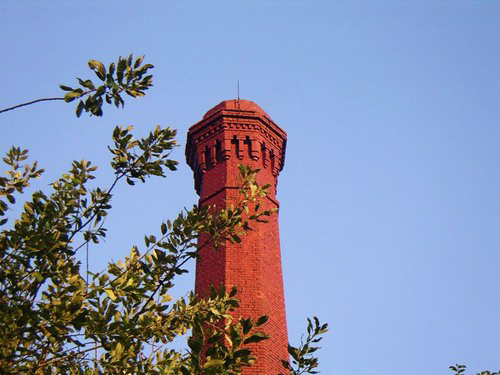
237, 130
236, 105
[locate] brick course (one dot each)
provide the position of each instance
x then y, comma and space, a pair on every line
239, 132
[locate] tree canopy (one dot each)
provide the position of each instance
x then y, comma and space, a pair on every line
57, 317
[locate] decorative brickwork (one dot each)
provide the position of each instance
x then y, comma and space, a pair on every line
240, 132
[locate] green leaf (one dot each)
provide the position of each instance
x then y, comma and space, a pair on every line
87, 83
294, 352
256, 337
233, 292
242, 353
138, 62
246, 325
98, 68
122, 64
119, 348
263, 319
110, 294
195, 344
66, 88
79, 109
213, 363
100, 90
166, 298
72, 95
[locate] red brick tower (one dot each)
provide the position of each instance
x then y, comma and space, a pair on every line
240, 132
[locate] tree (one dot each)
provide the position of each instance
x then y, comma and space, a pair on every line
54, 317
460, 370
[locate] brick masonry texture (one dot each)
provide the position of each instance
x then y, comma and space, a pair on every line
239, 132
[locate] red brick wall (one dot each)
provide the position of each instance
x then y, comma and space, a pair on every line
239, 132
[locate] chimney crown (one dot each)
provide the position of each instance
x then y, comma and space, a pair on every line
237, 130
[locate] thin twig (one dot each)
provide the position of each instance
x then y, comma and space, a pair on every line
98, 207
59, 359
29, 103
168, 277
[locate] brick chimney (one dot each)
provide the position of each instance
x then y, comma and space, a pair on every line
239, 132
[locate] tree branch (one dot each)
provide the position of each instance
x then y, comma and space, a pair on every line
29, 103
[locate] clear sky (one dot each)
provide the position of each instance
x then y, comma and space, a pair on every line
390, 204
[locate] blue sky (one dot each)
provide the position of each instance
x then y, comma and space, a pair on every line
390, 209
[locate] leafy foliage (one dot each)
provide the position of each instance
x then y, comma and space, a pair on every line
126, 75
56, 318
53, 319
460, 370
18, 180
303, 359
